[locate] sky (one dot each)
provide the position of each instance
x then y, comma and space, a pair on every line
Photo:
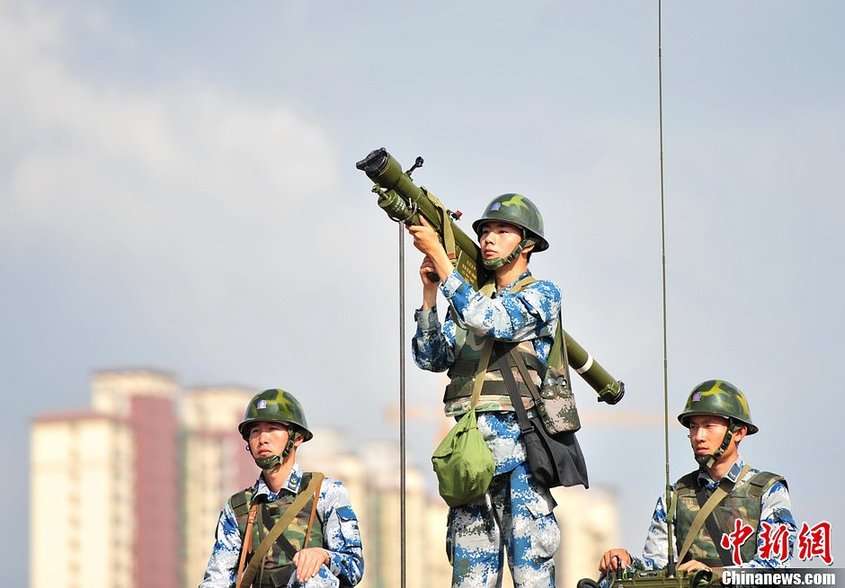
178, 191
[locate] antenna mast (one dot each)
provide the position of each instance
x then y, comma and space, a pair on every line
670, 496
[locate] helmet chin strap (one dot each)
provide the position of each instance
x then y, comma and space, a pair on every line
271, 462
708, 460
497, 262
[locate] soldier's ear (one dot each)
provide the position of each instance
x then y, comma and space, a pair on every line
740, 433
298, 439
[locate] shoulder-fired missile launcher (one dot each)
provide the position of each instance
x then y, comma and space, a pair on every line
405, 202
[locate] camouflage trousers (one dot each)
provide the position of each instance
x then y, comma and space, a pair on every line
515, 515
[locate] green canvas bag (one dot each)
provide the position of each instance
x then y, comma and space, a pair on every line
462, 461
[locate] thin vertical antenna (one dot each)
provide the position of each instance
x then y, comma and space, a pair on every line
669, 502
401, 404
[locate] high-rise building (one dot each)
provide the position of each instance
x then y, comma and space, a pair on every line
111, 477
146, 400
215, 465
81, 503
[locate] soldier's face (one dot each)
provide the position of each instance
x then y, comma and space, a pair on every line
706, 433
267, 439
498, 239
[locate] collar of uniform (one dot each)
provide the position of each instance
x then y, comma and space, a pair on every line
523, 275
291, 484
705, 480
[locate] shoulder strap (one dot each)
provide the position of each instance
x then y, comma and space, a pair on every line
686, 484
504, 365
705, 511
447, 231
523, 283
762, 481
526, 377
478, 380
558, 357
246, 542
240, 502
311, 518
284, 521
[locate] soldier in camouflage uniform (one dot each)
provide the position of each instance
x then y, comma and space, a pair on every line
321, 547
516, 513
718, 418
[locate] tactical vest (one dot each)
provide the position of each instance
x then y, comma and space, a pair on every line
468, 348
744, 502
278, 564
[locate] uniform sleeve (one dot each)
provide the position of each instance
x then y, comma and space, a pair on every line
656, 548
341, 536
433, 347
776, 510
223, 564
528, 314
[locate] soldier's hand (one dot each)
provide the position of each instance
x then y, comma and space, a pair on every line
691, 566
426, 238
613, 559
308, 562
427, 269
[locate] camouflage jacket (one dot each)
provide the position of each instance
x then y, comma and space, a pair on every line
775, 509
341, 536
530, 314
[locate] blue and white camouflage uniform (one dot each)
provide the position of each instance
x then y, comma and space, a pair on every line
341, 538
516, 513
775, 510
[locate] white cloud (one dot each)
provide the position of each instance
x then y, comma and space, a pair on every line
81, 142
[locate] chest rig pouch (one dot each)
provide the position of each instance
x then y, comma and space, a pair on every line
743, 501
279, 529
545, 387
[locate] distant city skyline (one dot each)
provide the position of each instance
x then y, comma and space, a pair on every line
143, 494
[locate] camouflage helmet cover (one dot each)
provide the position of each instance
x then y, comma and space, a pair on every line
518, 210
274, 406
718, 398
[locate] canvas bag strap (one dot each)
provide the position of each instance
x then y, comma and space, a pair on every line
478, 380
526, 376
447, 231
505, 364
247, 543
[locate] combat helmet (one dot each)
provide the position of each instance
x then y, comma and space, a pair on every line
718, 398
722, 399
275, 406
518, 210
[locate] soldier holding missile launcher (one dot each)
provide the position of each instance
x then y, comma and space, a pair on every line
506, 351
516, 513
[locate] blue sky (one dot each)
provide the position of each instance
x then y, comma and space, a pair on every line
177, 190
